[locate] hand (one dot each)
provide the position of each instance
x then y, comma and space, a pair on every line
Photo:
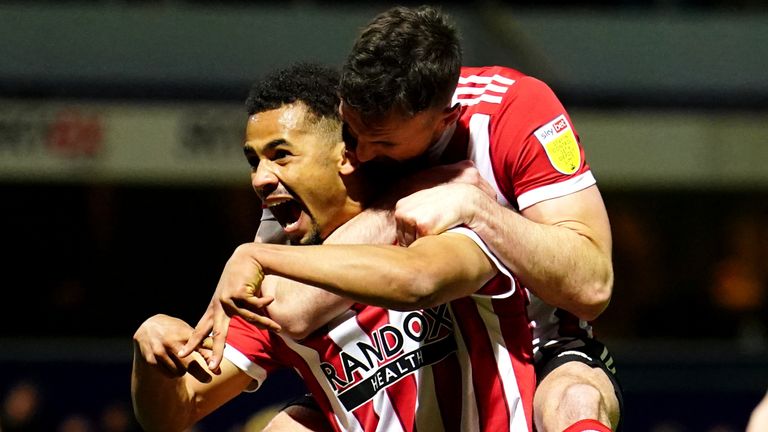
432, 211
237, 293
158, 340
459, 172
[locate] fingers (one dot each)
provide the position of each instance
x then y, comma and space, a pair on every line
194, 340
259, 319
259, 302
177, 366
250, 309
406, 231
435, 210
206, 349
468, 174
266, 323
487, 189
168, 364
207, 344
219, 337
199, 333
406, 224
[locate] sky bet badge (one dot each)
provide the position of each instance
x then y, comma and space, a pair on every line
560, 144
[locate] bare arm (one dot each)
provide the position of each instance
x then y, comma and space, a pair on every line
577, 234
170, 393
559, 248
301, 308
431, 271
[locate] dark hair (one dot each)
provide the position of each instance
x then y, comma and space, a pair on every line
407, 59
314, 85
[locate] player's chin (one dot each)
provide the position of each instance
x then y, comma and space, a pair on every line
310, 237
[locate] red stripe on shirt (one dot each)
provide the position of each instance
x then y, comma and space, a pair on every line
492, 406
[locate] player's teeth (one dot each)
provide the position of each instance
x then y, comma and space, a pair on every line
275, 203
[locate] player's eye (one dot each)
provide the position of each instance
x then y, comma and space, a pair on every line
251, 157
280, 154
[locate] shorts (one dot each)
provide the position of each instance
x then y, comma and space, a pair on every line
306, 401
587, 351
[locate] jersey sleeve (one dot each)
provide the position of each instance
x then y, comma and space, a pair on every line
535, 147
504, 283
252, 350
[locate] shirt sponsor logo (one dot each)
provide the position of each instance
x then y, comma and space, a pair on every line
560, 125
383, 361
560, 144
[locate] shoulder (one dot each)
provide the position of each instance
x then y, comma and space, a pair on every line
491, 89
501, 73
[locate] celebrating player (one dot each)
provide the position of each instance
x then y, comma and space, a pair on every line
405, 96
463, 361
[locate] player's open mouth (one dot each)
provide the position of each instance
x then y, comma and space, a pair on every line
287, 211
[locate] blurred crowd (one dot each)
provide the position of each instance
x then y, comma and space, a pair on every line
27, 407
689, 265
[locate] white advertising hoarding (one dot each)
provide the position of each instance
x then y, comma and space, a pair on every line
202, 144
198, 143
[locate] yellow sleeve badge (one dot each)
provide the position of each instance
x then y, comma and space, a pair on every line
560, 144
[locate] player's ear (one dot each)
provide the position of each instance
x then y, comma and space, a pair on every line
348, 161
451, 114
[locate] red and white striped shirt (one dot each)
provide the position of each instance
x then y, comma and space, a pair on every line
466, 365
523, 142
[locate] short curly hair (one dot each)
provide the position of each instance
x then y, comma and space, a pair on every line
315, 85
408, 59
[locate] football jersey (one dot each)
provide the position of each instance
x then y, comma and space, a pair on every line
465, 365
522, 141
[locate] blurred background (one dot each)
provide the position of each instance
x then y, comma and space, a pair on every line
123, 189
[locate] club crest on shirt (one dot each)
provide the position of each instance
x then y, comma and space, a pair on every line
560, 144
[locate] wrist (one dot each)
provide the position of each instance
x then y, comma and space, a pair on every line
476, 215
259, 256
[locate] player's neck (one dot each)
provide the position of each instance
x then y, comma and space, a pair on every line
455, 150
445, 150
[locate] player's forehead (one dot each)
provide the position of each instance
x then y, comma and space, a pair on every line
287, 122
393, 124
288, 116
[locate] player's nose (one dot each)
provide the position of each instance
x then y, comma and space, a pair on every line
365, 152
264, 181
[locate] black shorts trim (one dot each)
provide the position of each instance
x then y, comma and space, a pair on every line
306, 401
587, 351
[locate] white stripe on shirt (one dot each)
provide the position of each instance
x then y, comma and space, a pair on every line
556, 190
477, 79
